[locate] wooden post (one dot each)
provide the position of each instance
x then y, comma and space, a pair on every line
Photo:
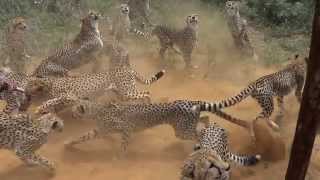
309, 115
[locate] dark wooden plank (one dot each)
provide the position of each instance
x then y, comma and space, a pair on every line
310, 110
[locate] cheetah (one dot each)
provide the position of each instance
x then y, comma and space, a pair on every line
24, 136
139, 12
277, 84
121, 25
15, 47
129, 118
238, 28
211, 156
68, 90
76, 53
185, 39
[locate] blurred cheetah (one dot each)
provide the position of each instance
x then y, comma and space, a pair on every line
211, 156
15, 47
76, 53
185, 39
238, 28
24, 136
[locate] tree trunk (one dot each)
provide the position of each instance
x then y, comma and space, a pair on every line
309, 112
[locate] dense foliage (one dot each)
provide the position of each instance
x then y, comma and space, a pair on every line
293, 15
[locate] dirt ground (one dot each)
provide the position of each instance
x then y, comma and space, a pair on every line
156, 153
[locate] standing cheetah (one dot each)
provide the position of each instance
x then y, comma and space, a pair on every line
238, 28
24, 136
129, 118
15, 47
76, 53
185, 39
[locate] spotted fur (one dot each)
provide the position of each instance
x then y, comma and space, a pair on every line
24, 136
263, 90
68, 90
76, 53
129, 118
15, 45
238, 28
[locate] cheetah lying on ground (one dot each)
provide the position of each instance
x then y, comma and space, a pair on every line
211, 156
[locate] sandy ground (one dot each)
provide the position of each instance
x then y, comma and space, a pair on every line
156, 153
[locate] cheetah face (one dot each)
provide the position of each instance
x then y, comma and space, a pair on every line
91, 20
208, 165
124, 9
232, 7
192, 20
19, 24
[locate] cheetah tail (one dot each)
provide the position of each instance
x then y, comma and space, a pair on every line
232, 119
139, 33
153, 79
214, 106
237, 98
245, 160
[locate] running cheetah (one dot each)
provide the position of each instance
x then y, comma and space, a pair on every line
278, 84
76, 53
68, 90
15, 47
238, 28
129, 118
24, 136
211, 156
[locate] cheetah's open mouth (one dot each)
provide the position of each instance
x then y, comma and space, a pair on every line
125, 11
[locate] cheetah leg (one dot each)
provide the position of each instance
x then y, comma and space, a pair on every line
56, 104
34, 159
298, 92
125, 140
280, 114
93, 134
266, 103
162, 51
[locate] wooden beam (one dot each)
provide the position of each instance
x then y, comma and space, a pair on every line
309, 115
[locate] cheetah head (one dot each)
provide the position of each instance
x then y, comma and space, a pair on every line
192, 20
207, 165
19, 24
90, 21
124, 9
49, 121
232, 8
